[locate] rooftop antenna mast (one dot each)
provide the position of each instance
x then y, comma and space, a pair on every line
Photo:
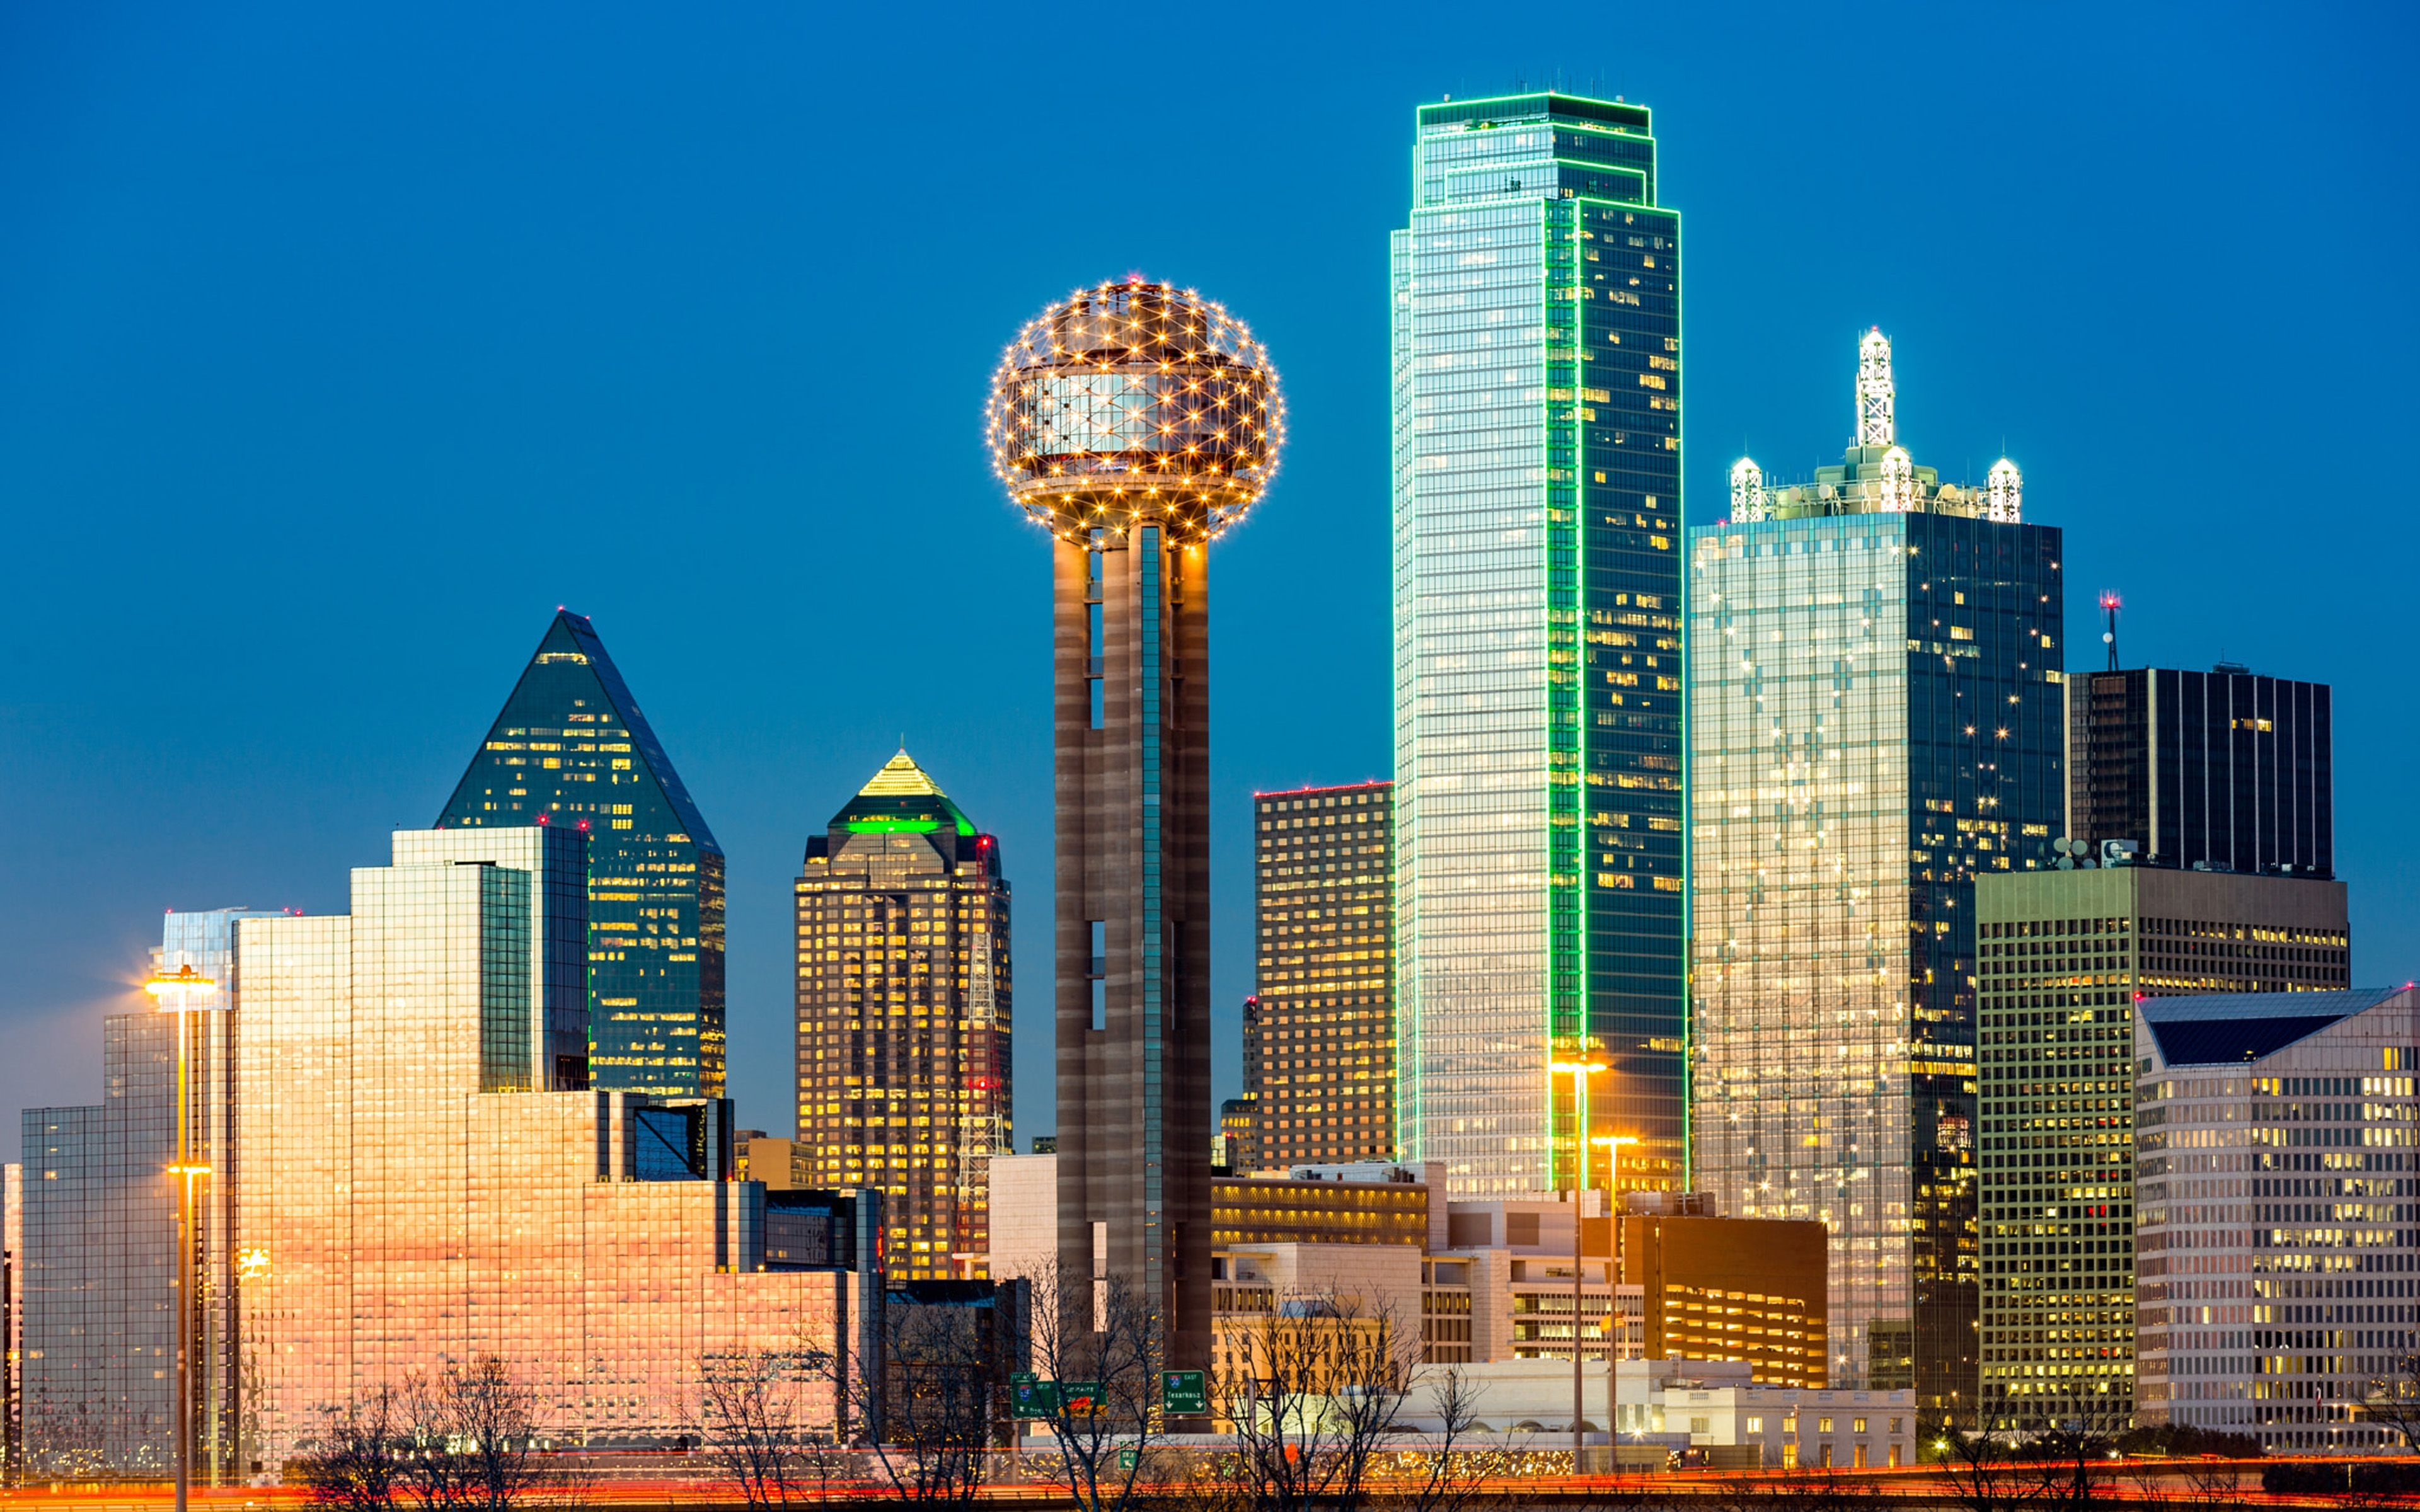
2109, 631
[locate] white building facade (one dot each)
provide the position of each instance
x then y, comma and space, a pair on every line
2278, 1237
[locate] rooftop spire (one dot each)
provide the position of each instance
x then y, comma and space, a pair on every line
1877, 397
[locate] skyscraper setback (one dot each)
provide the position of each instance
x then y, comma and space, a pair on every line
1876, 718
1136, 422
571, 747
1319, 1032
1537, 616
903, 1016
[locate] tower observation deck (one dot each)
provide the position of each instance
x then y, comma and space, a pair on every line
1136, 422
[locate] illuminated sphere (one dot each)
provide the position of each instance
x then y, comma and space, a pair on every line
1134, 402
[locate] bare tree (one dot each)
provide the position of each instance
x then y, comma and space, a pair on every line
468, 1434
354, 1461
747, 1416
1984, 1475
2394, 1399
1311, 1390
936, 1395
1448, 1473
2063, 1460
1102, 1334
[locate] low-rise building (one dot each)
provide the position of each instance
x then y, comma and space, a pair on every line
1713, 1406
1748, 1290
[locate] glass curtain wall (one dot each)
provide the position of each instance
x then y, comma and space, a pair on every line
1536, 375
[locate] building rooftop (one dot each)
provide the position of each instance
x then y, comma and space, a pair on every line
2230, 1029
901, 798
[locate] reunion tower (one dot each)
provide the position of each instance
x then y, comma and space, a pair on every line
1135, 422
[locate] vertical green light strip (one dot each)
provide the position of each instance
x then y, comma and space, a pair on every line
1566, 942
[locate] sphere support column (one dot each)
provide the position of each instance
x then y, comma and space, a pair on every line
1132, 705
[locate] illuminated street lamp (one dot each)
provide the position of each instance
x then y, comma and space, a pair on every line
183, 992
1579, 1071
1613, 1144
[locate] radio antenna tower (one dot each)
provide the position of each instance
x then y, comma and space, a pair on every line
2109, 631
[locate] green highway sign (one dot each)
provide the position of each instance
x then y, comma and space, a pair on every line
1128, 1459
1183, 1393
1081, 1399
1031, 1395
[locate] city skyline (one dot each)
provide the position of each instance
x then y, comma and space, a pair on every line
258, 779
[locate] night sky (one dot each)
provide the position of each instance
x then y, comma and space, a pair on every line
338, 346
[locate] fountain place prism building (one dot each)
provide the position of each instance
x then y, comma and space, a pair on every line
904, 1017
571, 747
1136, 422
1537, 616
1875, 719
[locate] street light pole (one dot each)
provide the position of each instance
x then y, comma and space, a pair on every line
1613, 1144
1580, 1071
176, 994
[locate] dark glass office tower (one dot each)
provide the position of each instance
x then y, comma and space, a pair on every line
1536, 294
903, 1012
1875, 719
2225, 769
571, 747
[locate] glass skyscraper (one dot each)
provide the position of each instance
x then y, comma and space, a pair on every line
903, 1017
98, 1266
572, 748
409, 1192
1876, 718
1537, 618
2228, 770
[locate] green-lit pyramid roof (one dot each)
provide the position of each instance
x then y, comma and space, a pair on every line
900, 799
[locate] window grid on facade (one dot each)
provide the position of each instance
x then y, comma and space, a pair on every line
1319, 1043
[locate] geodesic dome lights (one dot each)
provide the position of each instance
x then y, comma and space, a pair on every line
1130, 402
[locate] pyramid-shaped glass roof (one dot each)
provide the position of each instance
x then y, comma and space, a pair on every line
902, 799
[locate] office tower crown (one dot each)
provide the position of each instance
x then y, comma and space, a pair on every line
570, 748
902, 799
1133, 401
570, 667
1877, 475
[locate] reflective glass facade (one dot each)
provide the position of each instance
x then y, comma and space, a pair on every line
1875, 719
2061, 959
1537, 619
2225, 769
902, 1018
396, 1209
572, 748
98, 1263
1320, 1029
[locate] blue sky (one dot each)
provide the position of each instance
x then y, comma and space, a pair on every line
339, 345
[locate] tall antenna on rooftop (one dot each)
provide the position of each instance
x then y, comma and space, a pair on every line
2109, 631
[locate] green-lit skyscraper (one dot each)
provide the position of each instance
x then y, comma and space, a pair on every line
571, 747
1538, 749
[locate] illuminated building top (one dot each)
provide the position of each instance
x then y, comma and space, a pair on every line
1133, 401
1877, 475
